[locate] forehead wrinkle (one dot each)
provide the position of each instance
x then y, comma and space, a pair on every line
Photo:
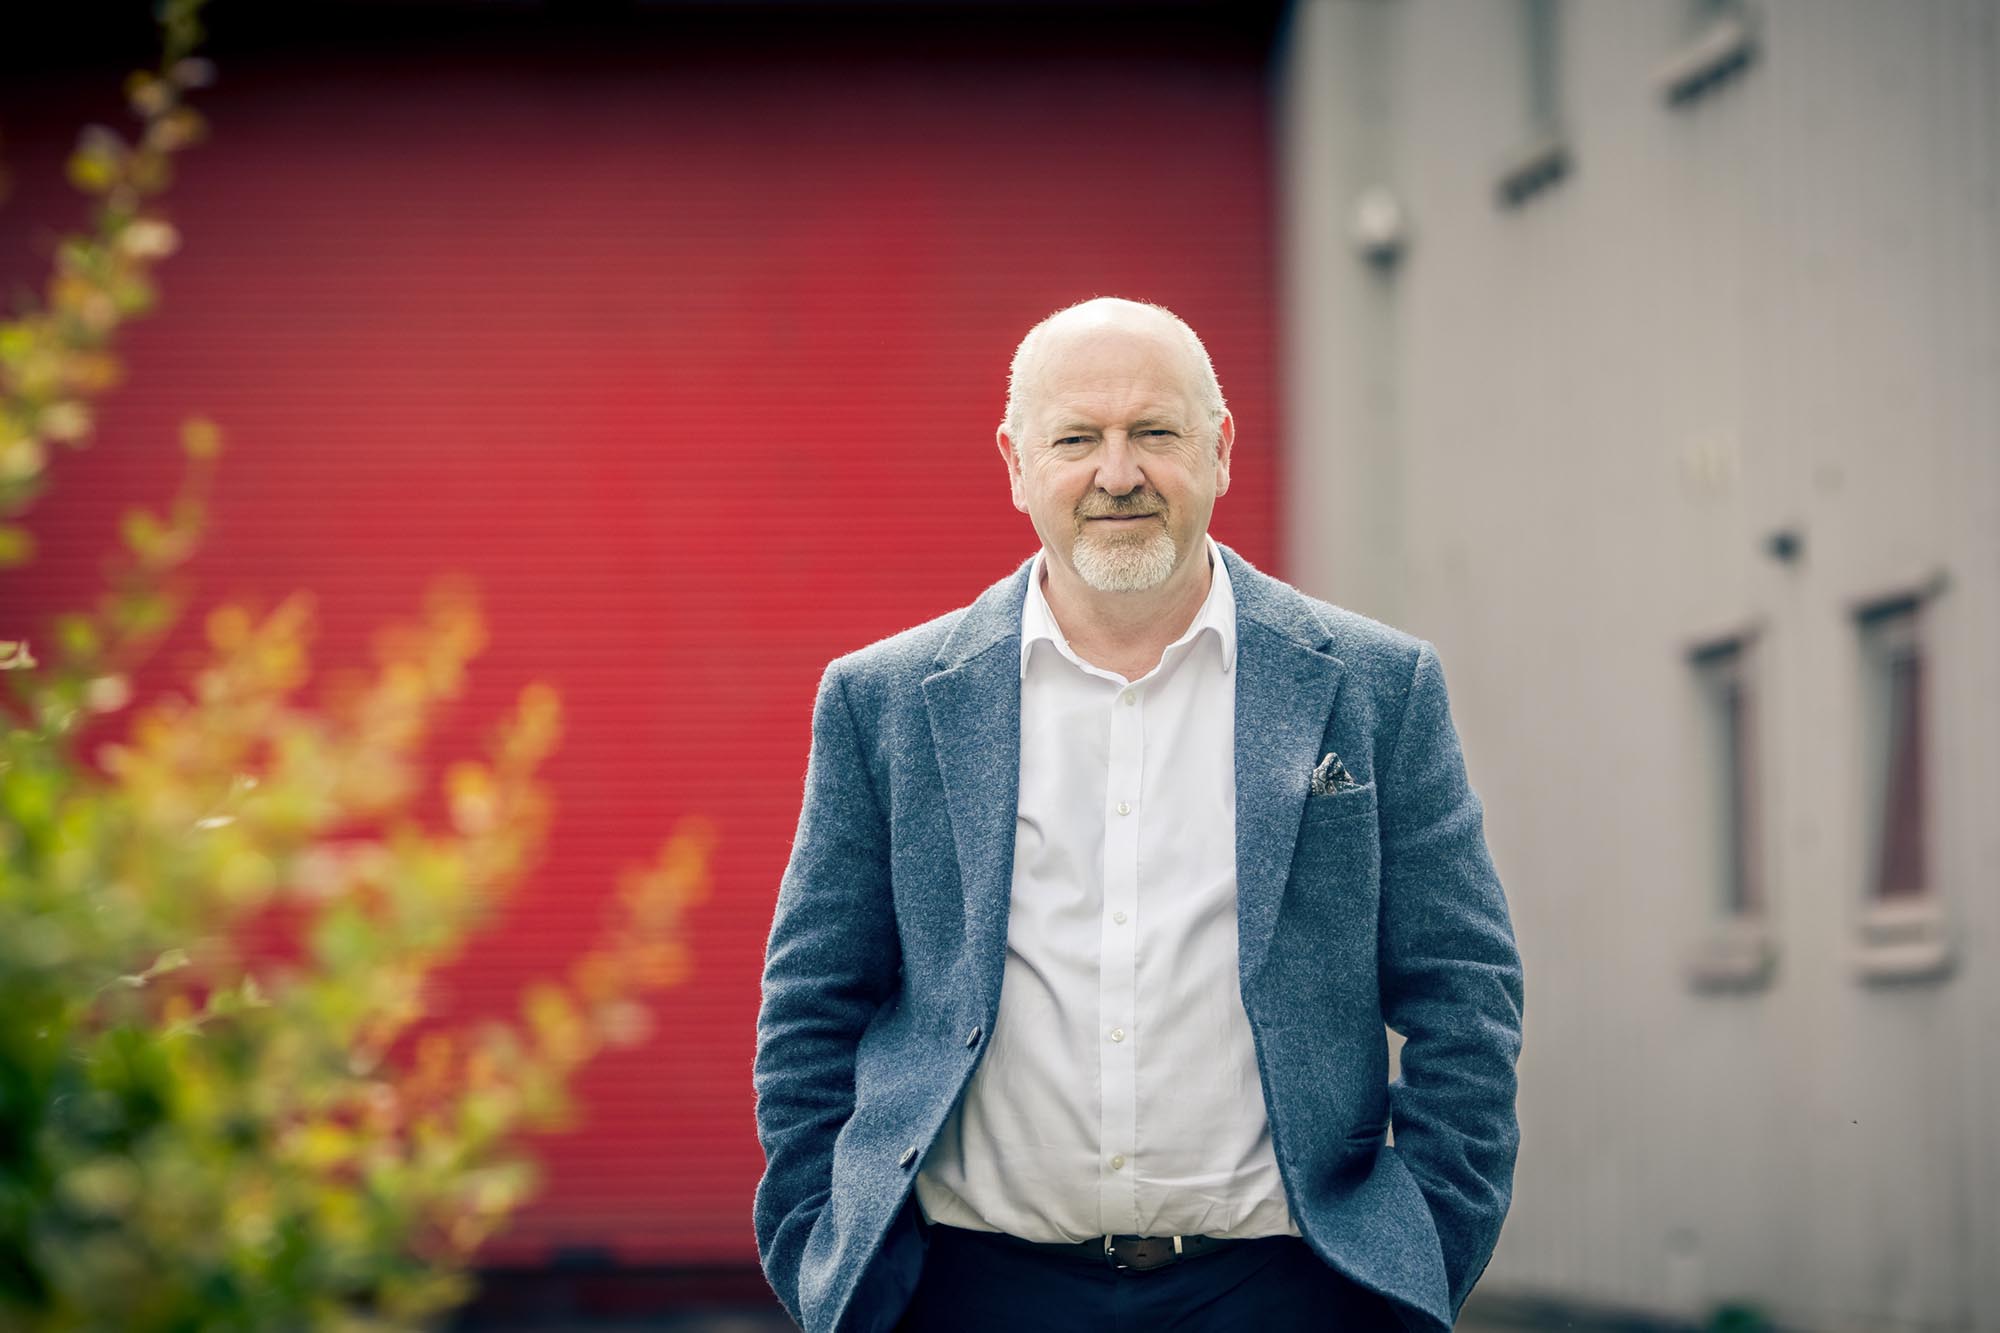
1129, 400
1150, 416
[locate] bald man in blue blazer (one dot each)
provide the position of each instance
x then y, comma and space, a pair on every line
1360, 896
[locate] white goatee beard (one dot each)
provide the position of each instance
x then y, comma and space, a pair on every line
1124, 566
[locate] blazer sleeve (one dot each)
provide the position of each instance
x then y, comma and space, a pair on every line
831, 961
1451, 984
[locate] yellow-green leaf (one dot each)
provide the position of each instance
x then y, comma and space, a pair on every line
201, 438
143, 532
94, 166
17, 545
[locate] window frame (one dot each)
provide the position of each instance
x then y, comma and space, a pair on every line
1737, 947
1899, 935
1543, 160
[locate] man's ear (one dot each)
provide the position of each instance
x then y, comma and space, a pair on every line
1225, 439
1013, 461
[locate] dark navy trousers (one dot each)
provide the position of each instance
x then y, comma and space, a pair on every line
976, 1283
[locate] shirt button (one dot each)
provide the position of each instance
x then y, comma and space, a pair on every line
1124, 807
972, 1038
1118, 1034
1130, 696
1118, 917
1118, 1164
909, 1155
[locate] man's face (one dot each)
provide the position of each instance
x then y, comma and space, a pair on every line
1118, 466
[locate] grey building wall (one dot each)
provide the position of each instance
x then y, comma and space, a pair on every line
1557, 439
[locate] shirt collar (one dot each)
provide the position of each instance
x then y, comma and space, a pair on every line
1217, 613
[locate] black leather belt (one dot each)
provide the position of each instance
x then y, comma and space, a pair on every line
1138, 1254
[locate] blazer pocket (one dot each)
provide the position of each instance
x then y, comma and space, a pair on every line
1341, 805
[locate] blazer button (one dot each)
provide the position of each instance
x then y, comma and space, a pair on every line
909, 1155
972, 1038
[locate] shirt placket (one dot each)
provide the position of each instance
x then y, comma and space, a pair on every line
1118, 1030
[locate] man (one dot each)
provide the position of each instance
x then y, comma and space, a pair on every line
1103, 890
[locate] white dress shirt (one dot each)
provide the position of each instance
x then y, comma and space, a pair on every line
1119, 1094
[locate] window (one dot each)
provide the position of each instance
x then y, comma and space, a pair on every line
1901, 923
1736, 950
1722, 42
1893, 668
1543, 158
1726, 689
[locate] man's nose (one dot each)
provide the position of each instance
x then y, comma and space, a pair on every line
1118, 468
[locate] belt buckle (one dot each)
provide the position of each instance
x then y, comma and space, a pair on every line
1113, 1257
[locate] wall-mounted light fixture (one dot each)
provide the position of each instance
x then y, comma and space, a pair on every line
1381, 226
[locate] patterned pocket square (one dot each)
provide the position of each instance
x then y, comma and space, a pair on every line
1331, 776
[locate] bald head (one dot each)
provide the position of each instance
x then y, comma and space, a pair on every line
1100, 318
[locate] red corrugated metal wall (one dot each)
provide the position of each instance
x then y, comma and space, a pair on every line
691, 357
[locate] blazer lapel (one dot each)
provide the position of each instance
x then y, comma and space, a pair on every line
1285, 688
975, 713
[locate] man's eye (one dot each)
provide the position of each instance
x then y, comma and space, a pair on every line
1070, 441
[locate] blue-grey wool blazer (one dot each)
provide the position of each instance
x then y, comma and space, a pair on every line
1374, 905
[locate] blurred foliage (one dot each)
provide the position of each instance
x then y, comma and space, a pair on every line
1738, 1318
224, 1103
56, 357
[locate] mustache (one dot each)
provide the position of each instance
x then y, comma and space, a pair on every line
1121, 507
